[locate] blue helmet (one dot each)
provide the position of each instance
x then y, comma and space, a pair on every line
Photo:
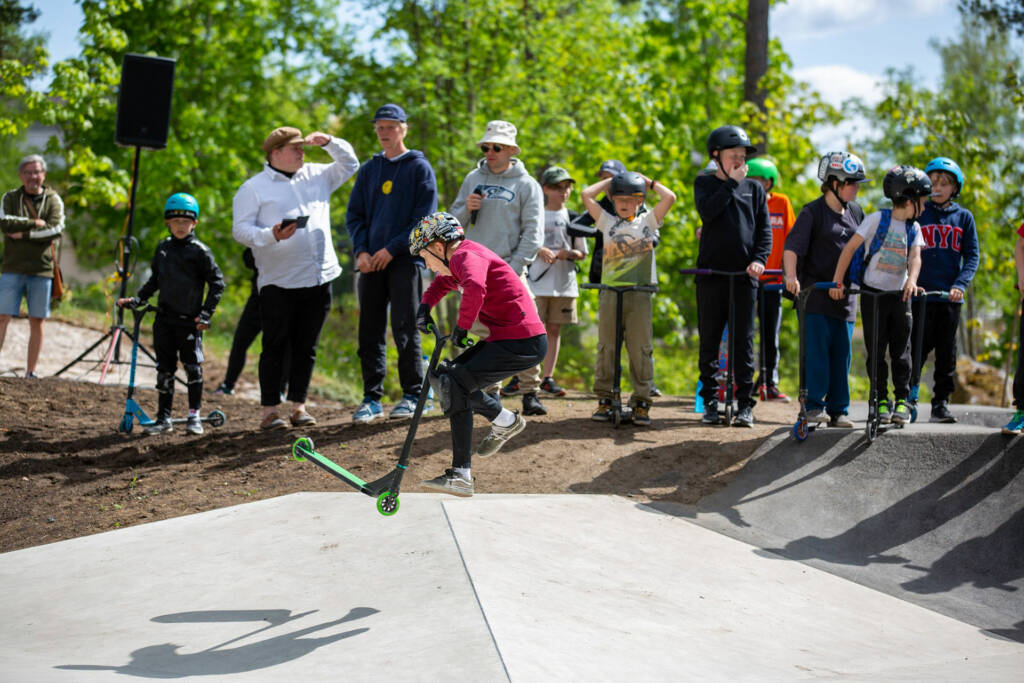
949, 166
181, 205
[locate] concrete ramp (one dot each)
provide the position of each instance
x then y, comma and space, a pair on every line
933, 514
319, 587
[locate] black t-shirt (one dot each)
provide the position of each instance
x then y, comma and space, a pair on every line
818, 238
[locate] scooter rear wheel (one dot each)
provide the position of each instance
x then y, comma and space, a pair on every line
800, 430
216, 418
303, 443
913, 412
388, 503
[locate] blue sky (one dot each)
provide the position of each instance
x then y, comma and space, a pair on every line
841, 47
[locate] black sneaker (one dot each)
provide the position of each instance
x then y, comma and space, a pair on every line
532, 405
512, 388
161, 426
549, 386
604, 411
224, 390
744, 418
711, 415
450, 483
642, 413
655, 391
940, 413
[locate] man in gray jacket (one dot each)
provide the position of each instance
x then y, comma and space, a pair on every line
502, 207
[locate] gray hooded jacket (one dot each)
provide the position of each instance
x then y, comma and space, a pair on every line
511, 220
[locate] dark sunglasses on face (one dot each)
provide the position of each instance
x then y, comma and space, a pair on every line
485, 149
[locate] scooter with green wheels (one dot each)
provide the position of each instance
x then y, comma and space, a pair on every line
387, 488
618, 414
919, 319
801, 428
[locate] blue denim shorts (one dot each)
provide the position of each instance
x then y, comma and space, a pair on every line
35, 288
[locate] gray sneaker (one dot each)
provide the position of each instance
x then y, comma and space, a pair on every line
161, 426
493, 442
404, 409
816, 415
193, 425
744, 418
841, 421
450, 483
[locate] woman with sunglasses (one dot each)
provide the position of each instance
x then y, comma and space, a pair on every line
813, 246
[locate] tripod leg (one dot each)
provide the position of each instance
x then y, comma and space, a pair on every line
85, 353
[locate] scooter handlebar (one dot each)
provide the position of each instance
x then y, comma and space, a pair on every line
617, 288
730, 273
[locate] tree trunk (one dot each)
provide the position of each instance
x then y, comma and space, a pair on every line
756, 62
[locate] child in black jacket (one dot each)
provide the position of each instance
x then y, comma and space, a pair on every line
182, 268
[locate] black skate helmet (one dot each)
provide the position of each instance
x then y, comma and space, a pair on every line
906, 183
628, 184
724, 137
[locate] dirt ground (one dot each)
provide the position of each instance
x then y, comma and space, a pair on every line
65, 470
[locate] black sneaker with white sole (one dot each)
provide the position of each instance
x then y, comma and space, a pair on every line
711, 415
940, 413
744, 418
161, 426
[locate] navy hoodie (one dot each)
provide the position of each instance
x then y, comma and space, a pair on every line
950, 254
388, 199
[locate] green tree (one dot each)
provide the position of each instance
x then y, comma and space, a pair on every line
23, 57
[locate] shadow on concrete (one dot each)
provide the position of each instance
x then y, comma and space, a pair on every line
164, 661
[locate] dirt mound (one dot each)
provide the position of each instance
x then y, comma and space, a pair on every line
65, 471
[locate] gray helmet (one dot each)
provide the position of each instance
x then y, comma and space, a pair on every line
841, 166
906, 182
628, 184
440, 226
724, 137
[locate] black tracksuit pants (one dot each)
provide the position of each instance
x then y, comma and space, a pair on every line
397, 288
292, 320
941, 320
248, 328
892, 332
712, 317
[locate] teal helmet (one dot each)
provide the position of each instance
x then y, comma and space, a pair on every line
181, 205
763, 168
949, 166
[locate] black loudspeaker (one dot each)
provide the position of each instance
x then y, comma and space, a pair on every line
144, 101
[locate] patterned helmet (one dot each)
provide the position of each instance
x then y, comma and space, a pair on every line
437, 227
906, 182
181, 205
763, 168
841, 166
949, 166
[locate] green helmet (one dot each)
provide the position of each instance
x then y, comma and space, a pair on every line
763, 168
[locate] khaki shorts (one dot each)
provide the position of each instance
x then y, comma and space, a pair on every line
559, 310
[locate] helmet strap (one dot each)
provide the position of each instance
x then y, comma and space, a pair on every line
834, 188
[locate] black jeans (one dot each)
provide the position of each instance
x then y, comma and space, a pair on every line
483, 364
1018, 376
248, 328
941, 320
769, 312
292, 320
892, 333
399, 288
712, 317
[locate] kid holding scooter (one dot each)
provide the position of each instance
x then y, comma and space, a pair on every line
182, 268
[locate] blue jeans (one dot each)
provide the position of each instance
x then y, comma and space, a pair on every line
827, 363
35, 288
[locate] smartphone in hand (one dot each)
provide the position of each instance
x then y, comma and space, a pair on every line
300, 220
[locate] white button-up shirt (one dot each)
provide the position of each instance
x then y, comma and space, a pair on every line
307, 258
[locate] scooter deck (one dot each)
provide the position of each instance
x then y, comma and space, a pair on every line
385, 489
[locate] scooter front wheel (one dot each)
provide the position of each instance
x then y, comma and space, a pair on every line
388, 503
127, 422
800, 430
872, 429
302, 444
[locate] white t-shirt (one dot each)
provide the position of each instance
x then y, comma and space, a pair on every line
887, 269
558, 278
628, 249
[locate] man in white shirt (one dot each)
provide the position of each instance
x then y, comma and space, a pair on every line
283, 214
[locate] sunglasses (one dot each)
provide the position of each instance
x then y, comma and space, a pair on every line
485, 149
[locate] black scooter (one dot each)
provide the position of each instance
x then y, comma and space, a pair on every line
618, 414
387, 488
915, 373
801, 428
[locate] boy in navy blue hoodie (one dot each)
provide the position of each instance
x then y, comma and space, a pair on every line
393, 191
949, 261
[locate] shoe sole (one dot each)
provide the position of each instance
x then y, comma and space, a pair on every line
603, 418
742, 423
1010, 432
445, 489
366, 421
400, 417
942, 420
195, 432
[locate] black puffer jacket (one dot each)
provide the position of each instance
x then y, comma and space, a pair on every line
181, 269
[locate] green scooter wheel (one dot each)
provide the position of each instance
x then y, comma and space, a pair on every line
303, 443
388, 503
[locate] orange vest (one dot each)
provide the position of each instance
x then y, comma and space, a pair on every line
781, 218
